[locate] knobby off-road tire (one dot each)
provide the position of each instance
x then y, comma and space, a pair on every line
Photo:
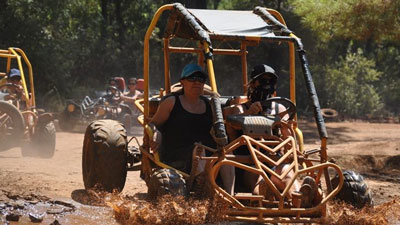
166, 181
354, 191
104, 158
12, 126
44, 140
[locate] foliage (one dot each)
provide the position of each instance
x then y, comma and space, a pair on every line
352, 91
376, 20
75, 46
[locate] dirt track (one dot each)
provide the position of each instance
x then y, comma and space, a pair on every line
372, 149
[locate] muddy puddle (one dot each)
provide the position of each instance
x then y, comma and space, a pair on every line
34, 209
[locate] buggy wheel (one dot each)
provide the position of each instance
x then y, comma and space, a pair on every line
44, 140
354, 191
166, 181
12, 126
104, 158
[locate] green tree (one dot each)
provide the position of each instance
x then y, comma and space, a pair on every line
351, 90
351, 19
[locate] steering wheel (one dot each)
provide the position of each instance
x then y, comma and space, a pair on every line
289, 105
114, 93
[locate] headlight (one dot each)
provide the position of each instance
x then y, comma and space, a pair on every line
71, 107
101, 111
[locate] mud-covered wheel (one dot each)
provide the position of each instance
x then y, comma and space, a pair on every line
104, 158
354, 191
44, 139
166, 181
65, 121
12, 126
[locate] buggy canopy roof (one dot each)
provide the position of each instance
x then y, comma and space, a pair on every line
204, 24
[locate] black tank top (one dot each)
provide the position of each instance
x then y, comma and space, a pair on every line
182, 130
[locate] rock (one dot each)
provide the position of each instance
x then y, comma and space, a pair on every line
19, 205
55, 211
13, 217
36, 218
55, 222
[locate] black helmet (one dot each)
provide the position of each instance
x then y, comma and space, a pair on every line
261, 69
266, 85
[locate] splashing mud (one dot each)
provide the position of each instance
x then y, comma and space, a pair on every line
385, 214
168, 210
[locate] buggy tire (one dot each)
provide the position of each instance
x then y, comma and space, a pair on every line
354, 191
13, 125
44, 140
104, 158
329, 113
166, 181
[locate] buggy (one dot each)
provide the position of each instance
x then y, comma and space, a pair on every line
106, 106
203, 28
21, 123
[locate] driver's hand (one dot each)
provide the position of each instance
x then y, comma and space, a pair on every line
254, 108
156, 141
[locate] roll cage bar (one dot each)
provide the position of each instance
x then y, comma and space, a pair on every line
205, 51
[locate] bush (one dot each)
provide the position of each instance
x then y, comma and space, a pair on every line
349, 85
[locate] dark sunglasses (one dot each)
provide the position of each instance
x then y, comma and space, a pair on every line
196, 78
15, 78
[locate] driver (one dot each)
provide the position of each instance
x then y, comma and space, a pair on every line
262, 86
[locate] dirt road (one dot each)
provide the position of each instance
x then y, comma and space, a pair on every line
372, 149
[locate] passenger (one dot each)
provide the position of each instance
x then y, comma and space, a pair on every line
133, 94
183, 119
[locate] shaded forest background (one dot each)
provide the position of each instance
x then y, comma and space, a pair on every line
353, 47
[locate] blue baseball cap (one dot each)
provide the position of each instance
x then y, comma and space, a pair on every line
14, 72
191, 69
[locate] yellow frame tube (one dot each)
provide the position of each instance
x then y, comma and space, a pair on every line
167, 77
31, 99
146, 57
244, 66
210, 69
